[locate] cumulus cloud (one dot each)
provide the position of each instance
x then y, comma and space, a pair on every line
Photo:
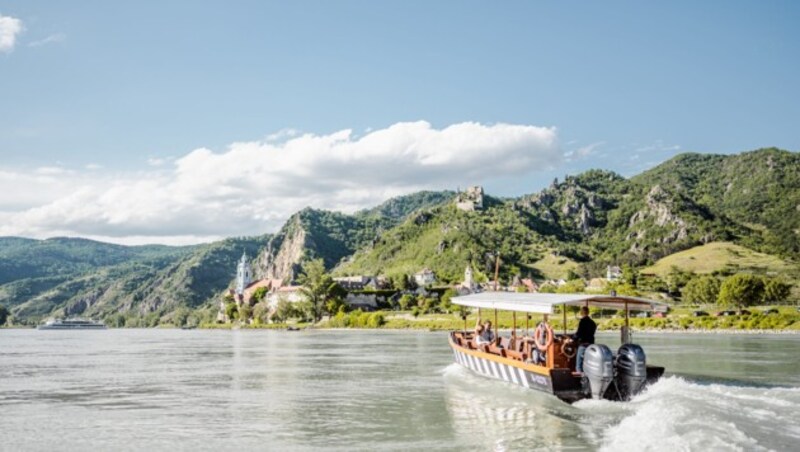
10, 27
253, 187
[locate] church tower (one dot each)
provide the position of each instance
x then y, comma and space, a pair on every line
243, 274
468, 282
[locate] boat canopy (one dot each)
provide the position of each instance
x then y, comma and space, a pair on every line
543, 303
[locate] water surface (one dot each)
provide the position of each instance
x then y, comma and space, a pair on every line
370, 390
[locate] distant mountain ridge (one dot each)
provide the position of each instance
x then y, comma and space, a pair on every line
593, 219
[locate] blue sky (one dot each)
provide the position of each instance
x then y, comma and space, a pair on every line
95, 92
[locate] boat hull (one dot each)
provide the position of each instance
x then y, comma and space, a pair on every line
560, 382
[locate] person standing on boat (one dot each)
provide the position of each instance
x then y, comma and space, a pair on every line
584, 336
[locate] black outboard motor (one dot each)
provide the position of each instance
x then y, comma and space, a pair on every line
598, 369
631, 370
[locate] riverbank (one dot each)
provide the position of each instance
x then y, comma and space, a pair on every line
787, 323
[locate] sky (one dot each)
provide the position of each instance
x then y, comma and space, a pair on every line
182, 122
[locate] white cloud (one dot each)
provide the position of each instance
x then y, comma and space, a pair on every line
10, 27
58, 37
252, 187
153, 161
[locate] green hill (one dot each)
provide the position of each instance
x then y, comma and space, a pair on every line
720, 257
702, 213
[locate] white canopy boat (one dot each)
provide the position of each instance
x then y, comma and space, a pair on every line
546, 362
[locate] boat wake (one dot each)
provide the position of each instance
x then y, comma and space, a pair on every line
676, 414
673, 414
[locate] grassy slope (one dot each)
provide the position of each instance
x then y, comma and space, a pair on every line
719, 255
554, 267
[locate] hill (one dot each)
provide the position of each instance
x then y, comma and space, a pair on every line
101, 280
697, 211
722, 257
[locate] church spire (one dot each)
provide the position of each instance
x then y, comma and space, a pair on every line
244, 274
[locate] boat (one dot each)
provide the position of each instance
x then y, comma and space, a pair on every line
546, 361
71, 324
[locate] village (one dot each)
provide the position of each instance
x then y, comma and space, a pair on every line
375, 292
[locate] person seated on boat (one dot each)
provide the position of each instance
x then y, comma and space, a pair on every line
486, 336
584, 336
477, 336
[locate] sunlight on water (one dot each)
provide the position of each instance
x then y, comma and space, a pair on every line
366, 390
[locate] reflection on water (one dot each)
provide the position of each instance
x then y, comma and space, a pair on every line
367, 390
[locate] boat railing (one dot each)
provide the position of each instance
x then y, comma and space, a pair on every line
520, 348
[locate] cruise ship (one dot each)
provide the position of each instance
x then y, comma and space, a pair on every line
71, 324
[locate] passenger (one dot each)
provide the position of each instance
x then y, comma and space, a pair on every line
478, 333
584, 336
488, 334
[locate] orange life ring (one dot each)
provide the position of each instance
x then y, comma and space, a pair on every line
543, 330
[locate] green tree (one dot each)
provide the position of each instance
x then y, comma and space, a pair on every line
405, 301
231, 310
445, 303
574, 286
261, 312
259, 295
180, 315
335, 305
702, 290
245, 311
676, 279
115, 320
547, 288
630, 275
776, 290
741, 290
318, 286
3, 315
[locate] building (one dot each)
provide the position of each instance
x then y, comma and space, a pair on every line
424, 277
469, 281
244, 274
530, 284
470, 200
613, 273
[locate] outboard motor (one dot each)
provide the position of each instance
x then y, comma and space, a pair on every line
598, 369
631, 370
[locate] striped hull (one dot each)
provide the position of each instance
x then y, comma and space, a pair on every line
559, 382
505, 372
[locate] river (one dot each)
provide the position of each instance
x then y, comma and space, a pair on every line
373, 390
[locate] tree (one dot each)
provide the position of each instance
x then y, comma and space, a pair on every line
574, 286
444, 302
231, 310
259, 294
630, 275
318, 286
405, 301
741, 290
261, 312
547, 288
775, 290
3, 315
180, 315
245, 311
702, 290
676, 279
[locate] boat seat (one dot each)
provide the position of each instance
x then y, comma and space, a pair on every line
513, 354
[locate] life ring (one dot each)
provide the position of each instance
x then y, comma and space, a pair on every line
543, 330
571, 346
